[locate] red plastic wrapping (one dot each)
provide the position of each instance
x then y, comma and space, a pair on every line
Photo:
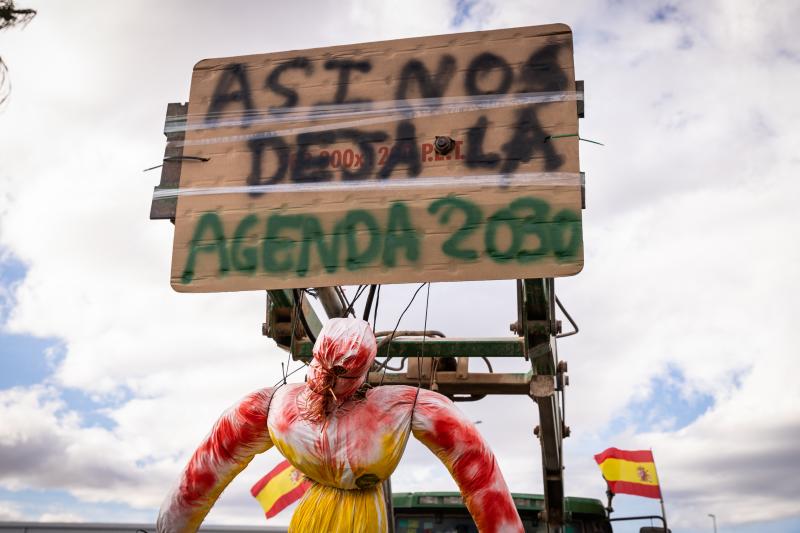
343, 354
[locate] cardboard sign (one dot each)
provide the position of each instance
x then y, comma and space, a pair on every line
322, 167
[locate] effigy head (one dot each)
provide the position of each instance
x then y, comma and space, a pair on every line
343, 355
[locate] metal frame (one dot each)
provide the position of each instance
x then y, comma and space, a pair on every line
537, 329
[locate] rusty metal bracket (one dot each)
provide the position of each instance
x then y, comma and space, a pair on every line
542, 387
462, 368
280, 311
450, 384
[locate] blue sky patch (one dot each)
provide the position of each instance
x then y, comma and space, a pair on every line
90, 410
663, 13
11, 269
24, 360
666, 407
463, 11
33, 503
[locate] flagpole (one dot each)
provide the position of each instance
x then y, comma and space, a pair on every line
610, 496
660, 492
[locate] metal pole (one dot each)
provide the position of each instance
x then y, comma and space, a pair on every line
714, 519
330, 301
660, 494
610, 496
387, 500
663, 512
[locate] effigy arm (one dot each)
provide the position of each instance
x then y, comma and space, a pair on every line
239, 434
440, 426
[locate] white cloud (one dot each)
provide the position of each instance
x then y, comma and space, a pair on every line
45, 446
61, 517
690, 240
10, 511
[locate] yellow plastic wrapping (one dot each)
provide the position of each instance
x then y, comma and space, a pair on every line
325, 508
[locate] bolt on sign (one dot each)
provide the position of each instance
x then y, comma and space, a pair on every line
444, 158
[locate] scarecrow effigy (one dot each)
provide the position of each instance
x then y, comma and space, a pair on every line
346, 438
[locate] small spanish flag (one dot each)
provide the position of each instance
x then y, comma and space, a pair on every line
280, 488
630, 472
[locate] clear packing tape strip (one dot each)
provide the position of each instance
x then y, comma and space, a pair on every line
355, 114
285, 122
549, 179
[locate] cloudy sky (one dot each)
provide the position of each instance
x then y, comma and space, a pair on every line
108, 378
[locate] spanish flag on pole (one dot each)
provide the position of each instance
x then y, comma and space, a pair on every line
280, 488
630, 472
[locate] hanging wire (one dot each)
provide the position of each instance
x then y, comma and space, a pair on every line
435, 362
285, 368
179, 158
358, 294
386, 336
267, 308
387, 366
571, 321
551, 137
311, 291
389, 346
298, 303
342, 298
563, 391
375, 314
370, 297
281, 382
5, 83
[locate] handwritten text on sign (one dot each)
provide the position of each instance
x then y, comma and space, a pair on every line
302, 149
